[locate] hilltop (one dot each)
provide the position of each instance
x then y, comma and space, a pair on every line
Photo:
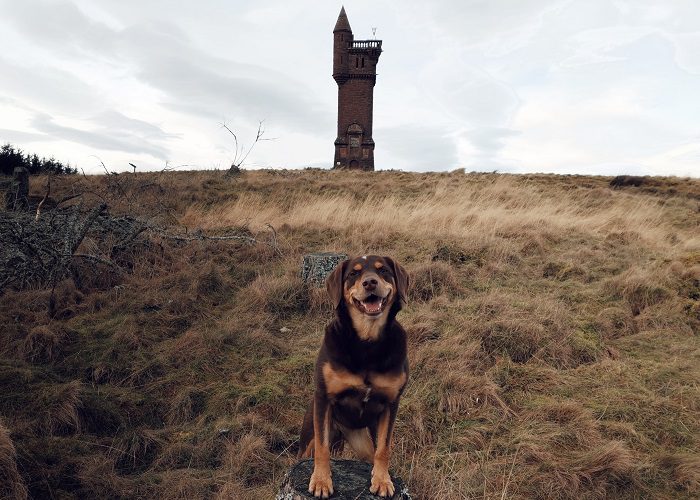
553, 324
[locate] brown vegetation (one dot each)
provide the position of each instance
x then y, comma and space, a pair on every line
553, 329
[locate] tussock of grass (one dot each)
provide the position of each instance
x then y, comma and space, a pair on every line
684, 470
11, 482
552, 328
431, 279
42, 344
59, 409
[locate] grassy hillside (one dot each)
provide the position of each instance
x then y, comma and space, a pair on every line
553, 326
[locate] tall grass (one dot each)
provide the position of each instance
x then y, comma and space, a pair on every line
453, 207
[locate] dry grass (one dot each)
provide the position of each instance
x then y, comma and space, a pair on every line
11, 482
553, 338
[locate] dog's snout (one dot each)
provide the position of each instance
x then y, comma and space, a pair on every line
370, 284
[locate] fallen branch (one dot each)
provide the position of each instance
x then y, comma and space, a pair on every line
200, 236
95, 258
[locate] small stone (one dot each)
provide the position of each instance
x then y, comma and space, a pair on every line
284, 329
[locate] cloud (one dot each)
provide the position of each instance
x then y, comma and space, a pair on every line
161, 55
60, 25
211, 87
114, 140
415, 147
687, 53
19, 136
39, 86
113, 120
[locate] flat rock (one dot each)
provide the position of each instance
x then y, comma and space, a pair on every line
351, 480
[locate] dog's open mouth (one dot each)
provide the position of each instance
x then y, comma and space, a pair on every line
372, 305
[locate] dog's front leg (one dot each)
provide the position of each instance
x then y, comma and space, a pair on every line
381, 480
321, 484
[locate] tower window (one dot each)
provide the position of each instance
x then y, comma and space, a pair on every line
363, 62
357, 62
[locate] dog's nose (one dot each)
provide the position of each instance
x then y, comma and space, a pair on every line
370, 284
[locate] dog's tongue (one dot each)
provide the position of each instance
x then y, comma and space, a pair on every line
373, 307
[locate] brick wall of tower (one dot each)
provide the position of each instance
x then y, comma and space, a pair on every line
355, 100
354, 70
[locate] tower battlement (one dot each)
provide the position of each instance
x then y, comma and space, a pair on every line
366, 44
355, 72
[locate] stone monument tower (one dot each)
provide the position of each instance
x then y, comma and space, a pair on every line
355, 72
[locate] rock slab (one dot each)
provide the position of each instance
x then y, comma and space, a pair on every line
317, 266
351, 479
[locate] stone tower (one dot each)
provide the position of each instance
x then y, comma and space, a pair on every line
355, 72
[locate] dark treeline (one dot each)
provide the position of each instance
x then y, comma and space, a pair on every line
10, 158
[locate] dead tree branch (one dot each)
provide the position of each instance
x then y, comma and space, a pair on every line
240, 153
46, 196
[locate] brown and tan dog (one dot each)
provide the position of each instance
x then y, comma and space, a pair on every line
361, 371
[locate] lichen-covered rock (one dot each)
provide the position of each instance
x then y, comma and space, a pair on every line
317, 266
351, 479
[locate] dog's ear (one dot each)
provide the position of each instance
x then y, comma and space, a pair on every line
334, 283
401, 279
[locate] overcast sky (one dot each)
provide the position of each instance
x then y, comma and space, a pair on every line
566, 86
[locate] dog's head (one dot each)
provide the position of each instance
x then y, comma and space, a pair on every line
369, 286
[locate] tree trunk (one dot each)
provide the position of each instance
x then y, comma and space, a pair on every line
351, 480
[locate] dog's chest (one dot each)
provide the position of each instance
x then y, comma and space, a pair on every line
363, 385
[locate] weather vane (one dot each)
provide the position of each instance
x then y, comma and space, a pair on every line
374, 33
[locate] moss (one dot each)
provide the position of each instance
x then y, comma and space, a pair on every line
586, 345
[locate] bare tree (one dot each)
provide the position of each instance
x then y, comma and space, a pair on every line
240, 152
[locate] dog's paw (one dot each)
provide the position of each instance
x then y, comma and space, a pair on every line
321, 484
381, 483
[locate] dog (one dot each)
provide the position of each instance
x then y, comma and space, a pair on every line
361, 372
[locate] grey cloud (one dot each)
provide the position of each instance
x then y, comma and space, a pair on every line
100, 139
113, 120
475, 20
422, 148
490, 140
167, 59
59, 25
46, 87
16, 136
212, 87
468, 93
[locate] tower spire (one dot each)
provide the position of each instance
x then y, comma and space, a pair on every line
342, 24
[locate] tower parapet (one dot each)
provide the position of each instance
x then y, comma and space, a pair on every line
355, 72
